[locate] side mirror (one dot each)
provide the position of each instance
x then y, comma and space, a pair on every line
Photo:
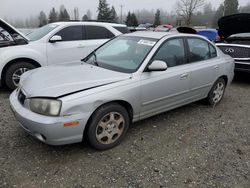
55, 38
157, 65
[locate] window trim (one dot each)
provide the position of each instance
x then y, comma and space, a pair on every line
172, 38
83, 33
188, 49
107, 34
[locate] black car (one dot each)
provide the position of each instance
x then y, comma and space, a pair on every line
234, 31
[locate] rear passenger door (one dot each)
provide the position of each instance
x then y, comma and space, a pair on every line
70, 48
203, 66
94, 37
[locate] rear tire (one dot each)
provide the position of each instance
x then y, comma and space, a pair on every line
217, 92
14, 72
108, 126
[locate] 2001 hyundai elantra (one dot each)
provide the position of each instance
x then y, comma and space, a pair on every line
129, 78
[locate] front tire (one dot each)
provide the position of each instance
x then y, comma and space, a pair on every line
14, 72
217, 92
108, 126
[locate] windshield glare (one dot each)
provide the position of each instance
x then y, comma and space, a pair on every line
41, 32
123, 54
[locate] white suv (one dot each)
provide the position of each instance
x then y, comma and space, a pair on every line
60, 42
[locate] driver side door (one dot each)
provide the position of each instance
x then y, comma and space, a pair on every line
69, 49
164, 90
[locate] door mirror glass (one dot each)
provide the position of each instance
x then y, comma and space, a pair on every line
157, 65
55, 38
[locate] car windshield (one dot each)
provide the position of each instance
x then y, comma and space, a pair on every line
123, 54
41, 32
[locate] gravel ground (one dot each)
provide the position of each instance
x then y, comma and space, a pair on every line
192, 146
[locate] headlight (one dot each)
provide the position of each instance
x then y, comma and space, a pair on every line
47, 107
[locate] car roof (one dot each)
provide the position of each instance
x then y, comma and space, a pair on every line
149, 34
90, 23
159, 35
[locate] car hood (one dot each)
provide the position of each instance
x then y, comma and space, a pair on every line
61, 80
233, 24
12, 30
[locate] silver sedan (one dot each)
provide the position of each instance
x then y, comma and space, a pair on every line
129, 78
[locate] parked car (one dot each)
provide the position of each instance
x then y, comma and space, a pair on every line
163, 28
129, 78
54, 43
211, 34
235, 32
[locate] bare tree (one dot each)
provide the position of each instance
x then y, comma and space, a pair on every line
186, 9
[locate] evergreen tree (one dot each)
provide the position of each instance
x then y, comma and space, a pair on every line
113, 14
131, 20
63, 15
53, 16
157, 18
42, 19
128, 19
85, 17
103, 10
231, 7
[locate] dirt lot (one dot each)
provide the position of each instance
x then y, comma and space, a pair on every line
193, 146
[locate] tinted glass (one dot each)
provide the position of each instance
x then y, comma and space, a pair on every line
199, 50
41, 32
172, 52
122, 29
213, 52
97, 32
123, 54
71, 33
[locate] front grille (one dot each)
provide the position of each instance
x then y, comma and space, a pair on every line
236, 52
21, 97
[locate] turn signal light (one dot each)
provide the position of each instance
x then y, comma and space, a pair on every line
73, 123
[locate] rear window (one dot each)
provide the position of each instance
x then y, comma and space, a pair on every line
122, 29
97, 32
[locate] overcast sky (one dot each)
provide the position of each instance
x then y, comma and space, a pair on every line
24, 8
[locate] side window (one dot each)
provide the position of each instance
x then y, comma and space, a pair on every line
172, 52
198, 50
97, 32
71, 33
213, 52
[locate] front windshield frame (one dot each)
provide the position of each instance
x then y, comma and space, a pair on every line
42, 34
115, 68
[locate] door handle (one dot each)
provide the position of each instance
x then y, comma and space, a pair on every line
216, 67
184, 76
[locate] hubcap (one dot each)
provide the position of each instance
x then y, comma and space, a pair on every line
218, 92
110, 128
17, 75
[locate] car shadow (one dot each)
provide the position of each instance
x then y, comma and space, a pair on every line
241, 78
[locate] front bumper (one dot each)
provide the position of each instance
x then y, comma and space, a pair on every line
242, 66
50, 130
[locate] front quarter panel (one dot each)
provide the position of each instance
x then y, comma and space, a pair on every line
36, 52
88, 101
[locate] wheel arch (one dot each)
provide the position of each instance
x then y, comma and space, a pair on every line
225, 78
123, 103
5, 68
